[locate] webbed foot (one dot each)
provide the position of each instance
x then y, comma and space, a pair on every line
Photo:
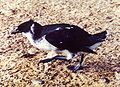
75, 67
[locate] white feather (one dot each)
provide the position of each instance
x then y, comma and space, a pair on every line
44, 44
32, 28
68, 54
41, 43
94, 46
68, 27
58, 28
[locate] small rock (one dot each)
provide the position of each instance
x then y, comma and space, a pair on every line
32, 51
117, 76
105, 80
37, 82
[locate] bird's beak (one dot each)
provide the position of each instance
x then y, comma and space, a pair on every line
15, 30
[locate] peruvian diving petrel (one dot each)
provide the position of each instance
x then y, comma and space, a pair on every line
69, 39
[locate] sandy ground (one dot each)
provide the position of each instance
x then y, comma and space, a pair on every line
18, 70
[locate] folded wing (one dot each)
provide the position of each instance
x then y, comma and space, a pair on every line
73, 40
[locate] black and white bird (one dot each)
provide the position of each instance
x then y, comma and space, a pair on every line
70, 39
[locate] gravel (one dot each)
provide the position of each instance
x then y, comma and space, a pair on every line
101, 70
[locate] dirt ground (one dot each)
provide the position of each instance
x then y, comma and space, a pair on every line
20, 70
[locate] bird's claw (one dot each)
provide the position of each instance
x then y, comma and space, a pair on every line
75, 67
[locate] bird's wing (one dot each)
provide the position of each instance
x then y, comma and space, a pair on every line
70, 39
55, 27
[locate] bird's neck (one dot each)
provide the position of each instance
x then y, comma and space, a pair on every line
29, 37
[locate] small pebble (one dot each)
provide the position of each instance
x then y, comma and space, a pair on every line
32, 51
105, 79
35, 82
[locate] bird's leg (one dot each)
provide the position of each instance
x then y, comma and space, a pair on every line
78, 65
54, 55
51, 57
51, 54
69, 55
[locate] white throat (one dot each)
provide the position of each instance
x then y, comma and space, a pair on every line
29, 37
41, 43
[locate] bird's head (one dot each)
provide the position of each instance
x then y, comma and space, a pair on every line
28, 26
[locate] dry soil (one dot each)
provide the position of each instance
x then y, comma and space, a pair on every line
20, 70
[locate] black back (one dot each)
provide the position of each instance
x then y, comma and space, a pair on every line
71, 39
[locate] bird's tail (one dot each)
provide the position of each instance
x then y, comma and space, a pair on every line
99, 37
95, 40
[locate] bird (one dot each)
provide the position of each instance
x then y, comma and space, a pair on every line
67, 38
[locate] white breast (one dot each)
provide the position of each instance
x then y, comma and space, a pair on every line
44, 44
94, 46
41, 43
